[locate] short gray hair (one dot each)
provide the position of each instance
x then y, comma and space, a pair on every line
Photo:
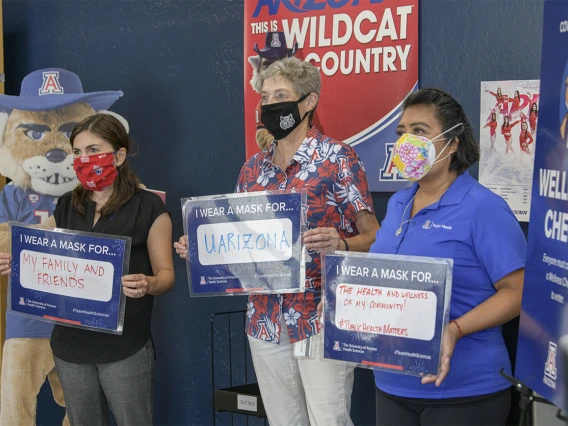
303, 76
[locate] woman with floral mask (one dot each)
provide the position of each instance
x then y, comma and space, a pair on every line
446, 213
301, 390
99, 371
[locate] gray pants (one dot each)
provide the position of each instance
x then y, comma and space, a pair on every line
125, 386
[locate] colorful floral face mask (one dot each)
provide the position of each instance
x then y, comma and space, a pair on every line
414, 155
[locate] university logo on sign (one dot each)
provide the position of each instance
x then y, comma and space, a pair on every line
550, 366
336, 346
51, 85
22, 302
202, 281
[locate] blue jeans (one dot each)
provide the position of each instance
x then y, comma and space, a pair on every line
125, 386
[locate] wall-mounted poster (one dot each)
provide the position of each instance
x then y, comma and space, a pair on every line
508, 122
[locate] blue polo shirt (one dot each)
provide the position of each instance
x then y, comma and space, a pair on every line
477, 229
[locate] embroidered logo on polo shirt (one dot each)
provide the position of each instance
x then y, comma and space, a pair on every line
430, 224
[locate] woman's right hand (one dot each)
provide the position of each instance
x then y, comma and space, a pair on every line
5, 264
182, 247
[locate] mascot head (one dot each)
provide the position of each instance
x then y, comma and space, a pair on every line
35, 128
274, 50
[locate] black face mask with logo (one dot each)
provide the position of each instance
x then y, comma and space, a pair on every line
282, 118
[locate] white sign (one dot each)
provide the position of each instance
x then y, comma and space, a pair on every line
247, 403
250, 241
384, 310
66, 276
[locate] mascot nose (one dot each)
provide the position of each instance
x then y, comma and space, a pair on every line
56, 155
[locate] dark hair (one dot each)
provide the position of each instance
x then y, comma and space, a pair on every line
517, 94
499, 91
110, 129
493, 116
535, 111
508, 121
450, 113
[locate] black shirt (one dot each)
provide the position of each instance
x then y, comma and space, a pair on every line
134, 219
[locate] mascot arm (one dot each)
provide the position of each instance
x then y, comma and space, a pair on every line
5, 240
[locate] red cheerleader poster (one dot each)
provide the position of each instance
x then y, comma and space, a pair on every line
367, 53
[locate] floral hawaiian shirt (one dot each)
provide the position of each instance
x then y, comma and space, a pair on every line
336, 185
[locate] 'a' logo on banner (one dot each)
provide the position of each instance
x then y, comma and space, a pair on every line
389, 172
51, 85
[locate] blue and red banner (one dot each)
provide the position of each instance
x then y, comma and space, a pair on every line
367, 52
543, 335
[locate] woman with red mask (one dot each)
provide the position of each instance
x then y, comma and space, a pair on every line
525, 139
506, 132
492, 130
99, 371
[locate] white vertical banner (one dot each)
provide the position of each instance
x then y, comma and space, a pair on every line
508, 121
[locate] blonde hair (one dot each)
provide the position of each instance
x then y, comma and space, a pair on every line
303, 76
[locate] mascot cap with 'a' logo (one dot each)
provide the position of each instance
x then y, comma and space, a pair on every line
275, 47
54, 88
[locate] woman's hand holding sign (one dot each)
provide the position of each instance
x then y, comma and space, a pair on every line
322, 239
181, 246
5, 264
449, 340
136, 285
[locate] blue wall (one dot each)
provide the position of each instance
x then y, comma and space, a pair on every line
179, 64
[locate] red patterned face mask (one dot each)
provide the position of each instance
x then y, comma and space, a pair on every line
95, 172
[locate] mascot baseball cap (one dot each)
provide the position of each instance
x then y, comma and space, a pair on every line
54, 88
275, 47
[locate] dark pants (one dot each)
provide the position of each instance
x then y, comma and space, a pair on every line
125, 386
483, 410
